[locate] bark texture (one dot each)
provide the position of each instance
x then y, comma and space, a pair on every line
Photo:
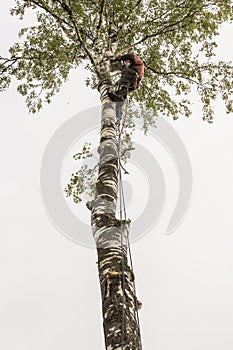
119, 301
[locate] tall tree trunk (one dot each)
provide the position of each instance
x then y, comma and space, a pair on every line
119, 303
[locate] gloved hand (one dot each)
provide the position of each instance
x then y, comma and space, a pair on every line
117, 58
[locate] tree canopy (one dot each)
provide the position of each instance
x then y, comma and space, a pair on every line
177, 40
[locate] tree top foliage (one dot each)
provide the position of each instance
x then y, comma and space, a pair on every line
176, 39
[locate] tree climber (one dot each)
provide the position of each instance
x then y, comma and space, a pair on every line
130, 77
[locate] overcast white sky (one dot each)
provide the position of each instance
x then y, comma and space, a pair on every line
49, 292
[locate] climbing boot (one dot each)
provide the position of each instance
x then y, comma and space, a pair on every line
115, 97
122, 91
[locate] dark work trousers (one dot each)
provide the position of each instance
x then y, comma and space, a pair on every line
126, 81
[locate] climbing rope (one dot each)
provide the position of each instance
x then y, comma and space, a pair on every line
123, 214
122, 269
122, 199
121, 131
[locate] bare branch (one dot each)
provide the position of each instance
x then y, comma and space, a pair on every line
65, 7
172, 27
98, 28
68, 10
6, 63
130, 11
47, 9
137, 4
61, 21
179, 75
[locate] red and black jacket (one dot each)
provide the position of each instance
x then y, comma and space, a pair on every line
136, 64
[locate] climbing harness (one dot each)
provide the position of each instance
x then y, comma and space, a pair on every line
123, 218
